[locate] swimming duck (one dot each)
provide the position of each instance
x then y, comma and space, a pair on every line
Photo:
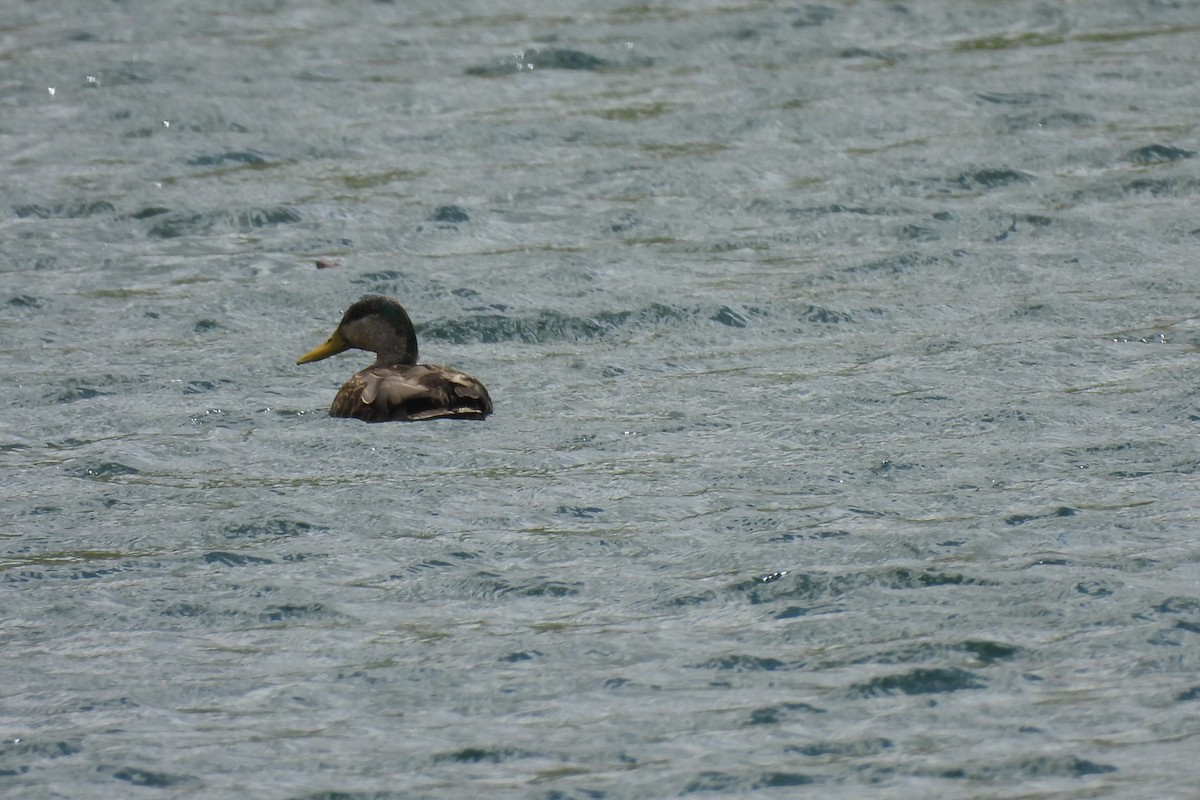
396, 387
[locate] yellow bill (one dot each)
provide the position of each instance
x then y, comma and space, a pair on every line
333, 345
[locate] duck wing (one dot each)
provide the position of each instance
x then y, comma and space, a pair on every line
411, 392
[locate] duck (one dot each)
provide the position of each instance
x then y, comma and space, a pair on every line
395, 387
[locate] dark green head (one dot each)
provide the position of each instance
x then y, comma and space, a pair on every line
375, 323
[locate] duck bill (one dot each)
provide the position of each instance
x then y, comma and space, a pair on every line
333, 345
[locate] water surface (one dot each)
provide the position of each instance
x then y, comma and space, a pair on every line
844, 361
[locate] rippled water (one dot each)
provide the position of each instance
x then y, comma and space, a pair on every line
844, 359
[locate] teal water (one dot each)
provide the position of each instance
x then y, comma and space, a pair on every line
844, 362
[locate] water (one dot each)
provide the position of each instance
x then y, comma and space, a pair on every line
844, 367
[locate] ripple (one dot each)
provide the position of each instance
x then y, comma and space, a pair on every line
102, 470
70, 210
992, 178
920, 681
149, 778
228, 157
535, 59
1158, 154
272, 528
1028, 768
745, 663
781, 712
554, 326
233, 559
176, 224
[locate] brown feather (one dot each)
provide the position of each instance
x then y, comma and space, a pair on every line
411, 392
